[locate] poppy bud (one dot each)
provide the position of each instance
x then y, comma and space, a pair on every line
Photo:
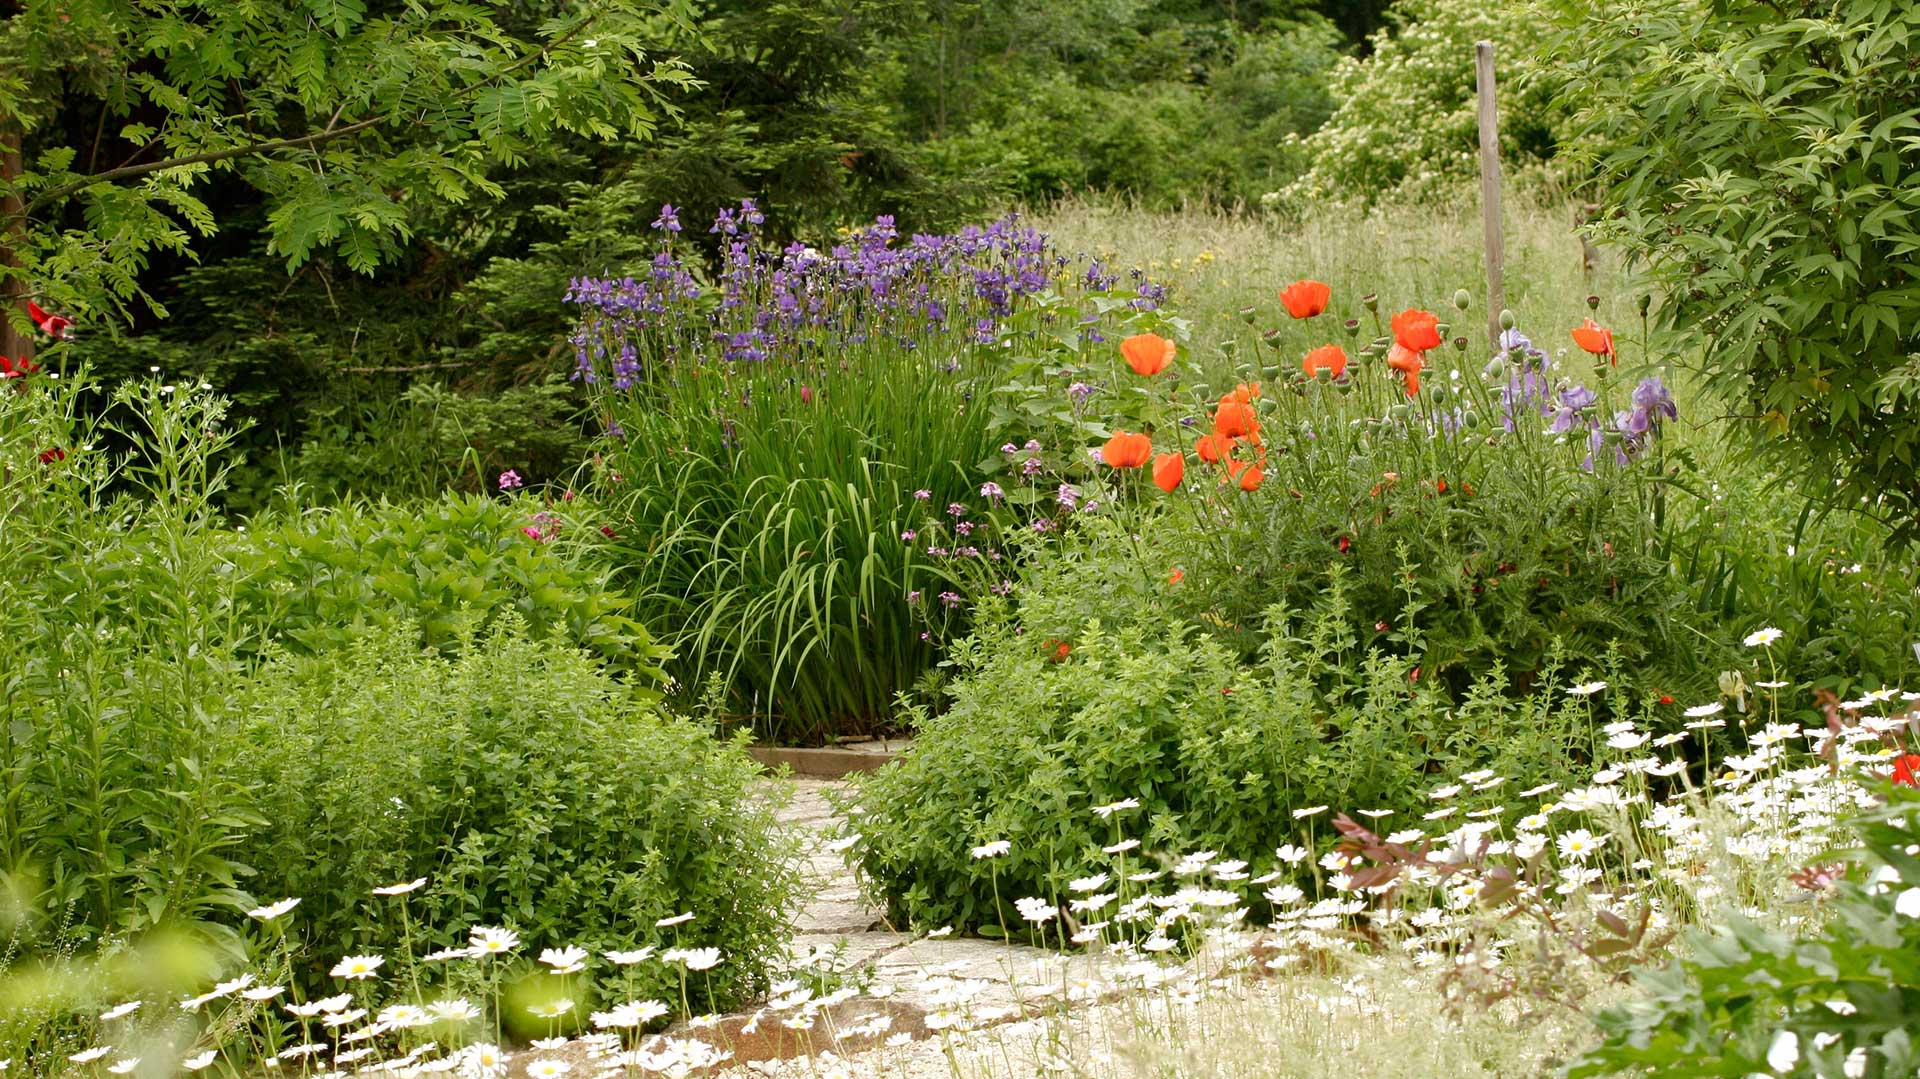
1643, 304
1353, 327
1461, 299
1593, 303
1507, 321
1494, 369
806, 395
1470, 419
1248, 314
1439, 395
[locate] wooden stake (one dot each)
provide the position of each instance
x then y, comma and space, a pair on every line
1490, 187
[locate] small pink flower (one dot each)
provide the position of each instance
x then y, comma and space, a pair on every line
510, 480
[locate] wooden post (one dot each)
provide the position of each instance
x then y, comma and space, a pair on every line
1490, 187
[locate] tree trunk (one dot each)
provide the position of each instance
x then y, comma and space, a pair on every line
13, 222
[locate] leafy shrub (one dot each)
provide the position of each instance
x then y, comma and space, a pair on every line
1220, 755
530, 787
1748, 999
1407, 125
315, 580
1759, 157
119, 806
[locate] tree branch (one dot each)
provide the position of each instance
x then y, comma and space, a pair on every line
310, 139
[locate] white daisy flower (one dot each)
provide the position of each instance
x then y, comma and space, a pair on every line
355, 967
273, 910
400, 889
1761, 638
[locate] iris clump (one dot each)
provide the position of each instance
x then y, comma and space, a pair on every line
770, 415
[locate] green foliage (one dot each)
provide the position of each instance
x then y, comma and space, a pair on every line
1759, 157
346, 120
1218, 753
316, 580
119, 805
531, 789
1208, 118
1747, 999
1406, 124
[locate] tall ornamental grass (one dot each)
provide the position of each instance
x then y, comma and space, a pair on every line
773, 430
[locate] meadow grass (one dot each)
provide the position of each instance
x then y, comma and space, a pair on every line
1219, 262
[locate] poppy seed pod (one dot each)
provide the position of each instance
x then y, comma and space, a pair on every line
1460, 343
1593, 303
1248, 314
1272, 338
1371, 301
1353, 327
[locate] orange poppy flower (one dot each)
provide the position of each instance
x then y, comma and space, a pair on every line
1055, 649
1331, 358
1409, 363
1176, 576
1147, 353
1596, 339
1305, 299
1168, 470
1245, 393
1125, 450
1213, 448
1416, 330
1252, 478
1234, 418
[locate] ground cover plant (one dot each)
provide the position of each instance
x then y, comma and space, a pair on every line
322, 699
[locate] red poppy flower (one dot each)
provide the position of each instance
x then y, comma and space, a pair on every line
1906, 770
20, 368
1346, 544
58, 327
1234, 418
1251, 478
1168, 470
1416, 330
1213, 449
1595, 338
1409, 363
1305, 299
1331, 358
1125, 450
1664, 699
1056, 650
1147, 353
1176, 576
1245, 393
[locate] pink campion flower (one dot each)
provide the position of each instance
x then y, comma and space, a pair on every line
510, 480
532, 532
